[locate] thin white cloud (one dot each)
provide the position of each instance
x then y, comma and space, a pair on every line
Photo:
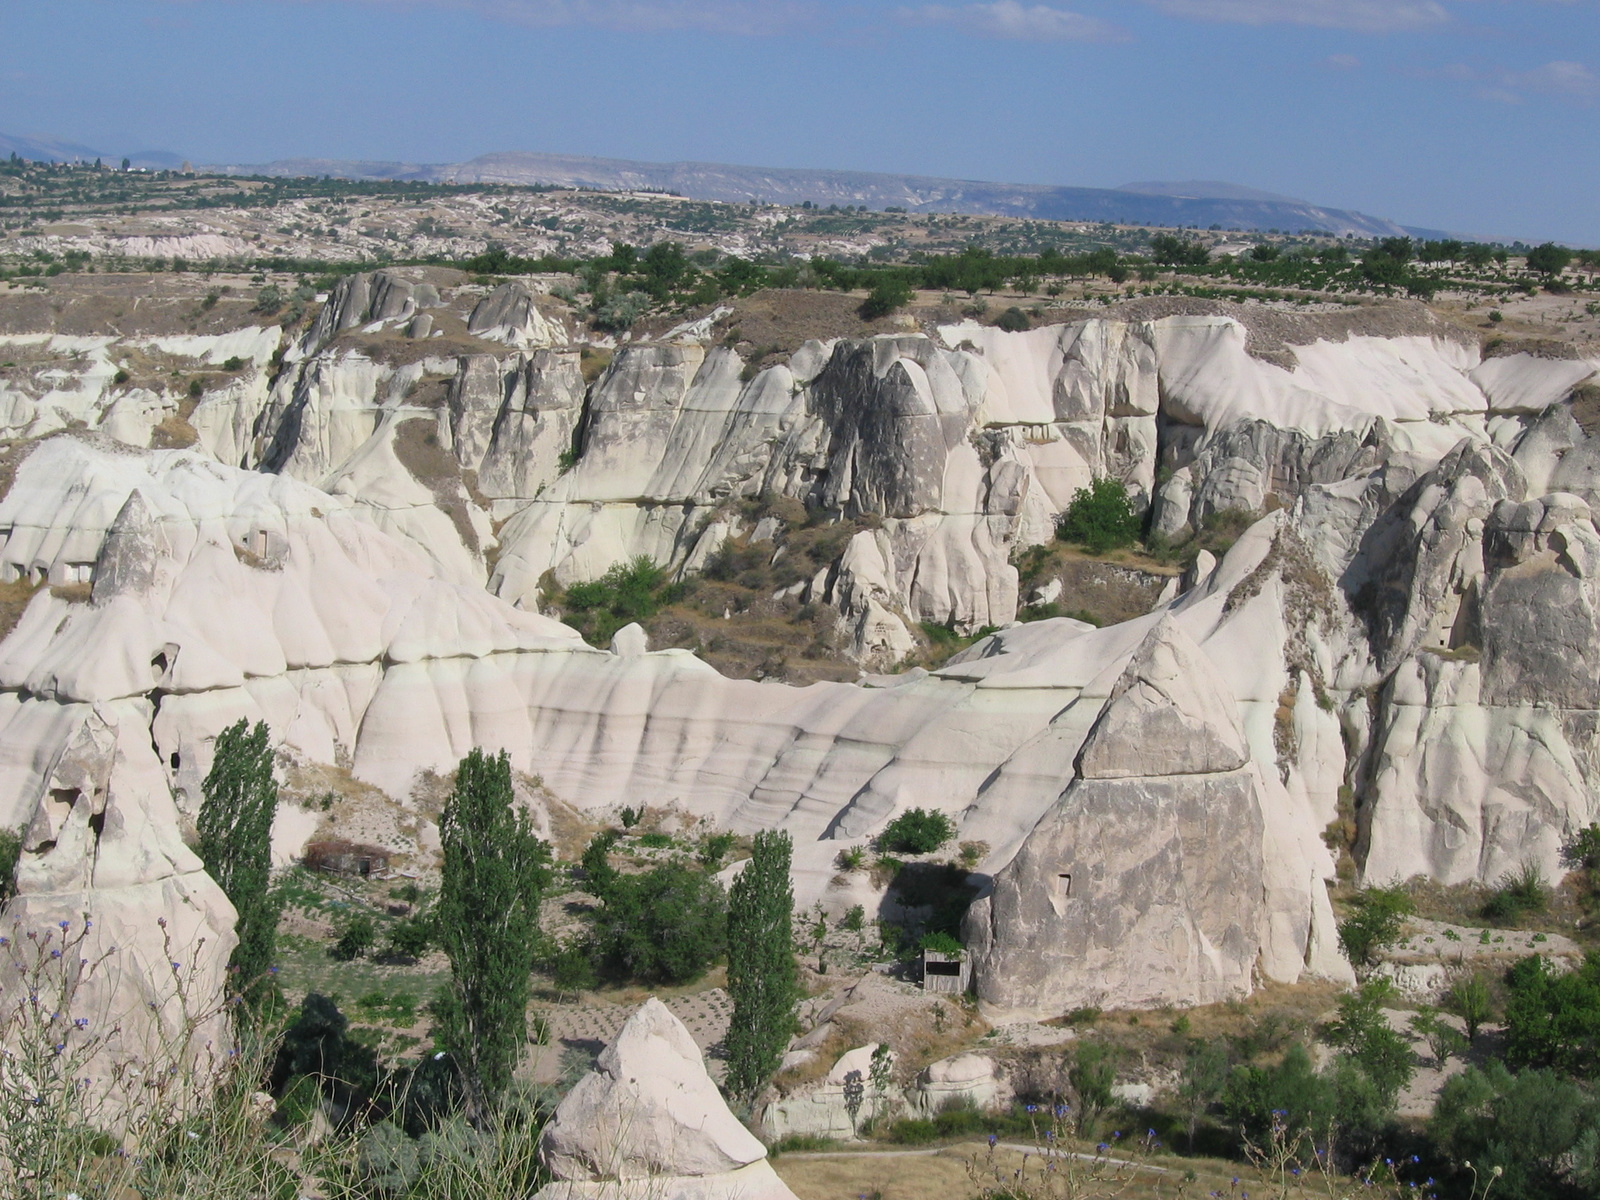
1361, 16
1570, 81
1342, 62
1011, 19
749, 18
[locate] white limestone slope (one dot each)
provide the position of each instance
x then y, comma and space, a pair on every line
220, 593
1432, 551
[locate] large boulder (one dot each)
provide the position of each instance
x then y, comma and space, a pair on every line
1143, 885
649, 1121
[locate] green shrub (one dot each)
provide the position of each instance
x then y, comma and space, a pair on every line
315, 1046
1539, 1131
852, 858
617, 314
1518, 894
1363, 1033
917, 831
10, 854
411, 937
1583, 851
655, 840
1470, 999
855, 918
1553, 1019
571, 966
886, 296
1100, 517
1442, 1038
1375, 922
1013, 320
800, 1143
1293, 1088
715, 848
913, 1131
628, 592
268, 300
666, 925
355, 939
942, 943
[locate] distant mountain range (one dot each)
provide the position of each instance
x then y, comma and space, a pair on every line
1200, 203
50, 150
1166, 204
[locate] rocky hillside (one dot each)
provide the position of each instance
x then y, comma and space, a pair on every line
380, 527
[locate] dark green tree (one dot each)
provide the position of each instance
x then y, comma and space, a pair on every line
665, 925
886, 295
1549, 259
1014, 320
1100, 517
495, 872
235, 843
1377, 915
761, 968
1538, 1130
1552, 1017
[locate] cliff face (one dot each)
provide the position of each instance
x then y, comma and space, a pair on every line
354, 549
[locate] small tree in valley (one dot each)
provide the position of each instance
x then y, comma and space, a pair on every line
235, 843
495, 872
761, 966
1100, 517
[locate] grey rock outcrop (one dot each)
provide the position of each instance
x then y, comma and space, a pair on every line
359, 300
1167, 715
509, 314
1143, 884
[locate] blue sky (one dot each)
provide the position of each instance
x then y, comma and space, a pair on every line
1475, 115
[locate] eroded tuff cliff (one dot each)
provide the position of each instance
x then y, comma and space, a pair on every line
356, 545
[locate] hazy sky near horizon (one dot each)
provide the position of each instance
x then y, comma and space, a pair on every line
1475, 115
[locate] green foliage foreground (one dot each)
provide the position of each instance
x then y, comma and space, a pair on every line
762, 978
1100, 517
235, 843
495, 872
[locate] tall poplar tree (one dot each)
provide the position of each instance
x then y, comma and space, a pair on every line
495, 873
235, 843
762, 977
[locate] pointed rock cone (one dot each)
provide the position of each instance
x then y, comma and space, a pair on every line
648, 1122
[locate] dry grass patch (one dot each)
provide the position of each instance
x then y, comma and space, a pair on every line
960, 1170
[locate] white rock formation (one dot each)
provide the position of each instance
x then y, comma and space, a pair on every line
1412, 621
648, 1121
1143, 885
822, 1109
964, 1080
102, 844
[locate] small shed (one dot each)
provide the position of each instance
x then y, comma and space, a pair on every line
947, 973
339, 857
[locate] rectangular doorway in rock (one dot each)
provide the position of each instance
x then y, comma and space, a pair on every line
1061, 892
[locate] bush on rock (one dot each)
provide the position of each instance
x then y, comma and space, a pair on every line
1100, 517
